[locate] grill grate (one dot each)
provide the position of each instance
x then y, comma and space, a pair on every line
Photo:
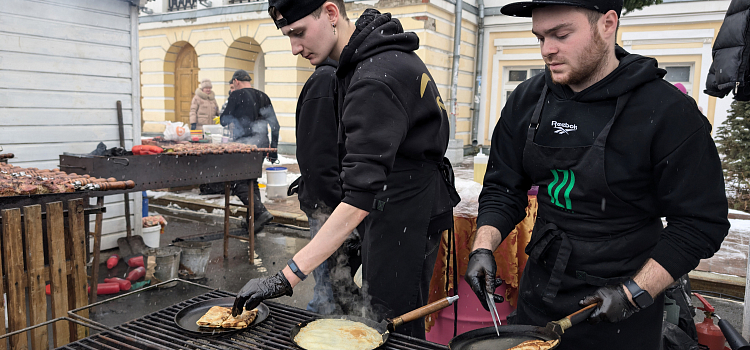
273, 334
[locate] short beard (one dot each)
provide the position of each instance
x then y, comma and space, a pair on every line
592, 60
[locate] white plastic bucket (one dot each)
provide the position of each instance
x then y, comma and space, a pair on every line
276, 191
276, 176
213, 129
151, 236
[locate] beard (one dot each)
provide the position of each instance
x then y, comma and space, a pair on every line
591, 61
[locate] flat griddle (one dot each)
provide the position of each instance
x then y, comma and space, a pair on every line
187, 317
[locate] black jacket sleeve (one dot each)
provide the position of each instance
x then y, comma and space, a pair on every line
269, 115
375, 123
503, 200
229, 107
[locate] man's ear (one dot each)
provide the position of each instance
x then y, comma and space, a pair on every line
608, 24
331, 11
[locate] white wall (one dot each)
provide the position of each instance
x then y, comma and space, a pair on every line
63, 66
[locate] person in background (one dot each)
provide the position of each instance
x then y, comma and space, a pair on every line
318, 188
249, 112
204, 108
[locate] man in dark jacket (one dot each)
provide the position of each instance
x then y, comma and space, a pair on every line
729, 70
249, 112
613, 148
395, 130
319, 186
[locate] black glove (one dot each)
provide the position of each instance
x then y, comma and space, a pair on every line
193, 126
273, 157
480, 275
259, 289
615, 305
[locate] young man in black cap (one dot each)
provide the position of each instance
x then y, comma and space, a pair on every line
250, 112
395, 130
613, 148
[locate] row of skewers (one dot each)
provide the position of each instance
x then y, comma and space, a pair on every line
19, 181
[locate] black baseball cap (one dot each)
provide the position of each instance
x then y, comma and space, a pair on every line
293, 10
240, 75
524, 8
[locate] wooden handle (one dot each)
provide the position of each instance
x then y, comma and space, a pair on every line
581, 315
421, 312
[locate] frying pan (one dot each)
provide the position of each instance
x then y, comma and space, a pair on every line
384, 327
187, 317
510, 336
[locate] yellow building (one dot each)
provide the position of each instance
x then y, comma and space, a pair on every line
181, 47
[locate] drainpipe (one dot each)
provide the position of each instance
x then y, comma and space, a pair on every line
456, 58
478, 70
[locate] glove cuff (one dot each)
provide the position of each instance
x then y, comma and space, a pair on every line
288, 290
482, 251
621, 292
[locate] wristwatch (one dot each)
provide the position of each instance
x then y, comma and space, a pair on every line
641, 297
292, 265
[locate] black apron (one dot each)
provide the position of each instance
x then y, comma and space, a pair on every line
399, 241
585, 237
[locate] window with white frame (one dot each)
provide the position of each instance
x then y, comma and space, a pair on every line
680, 73
517, 75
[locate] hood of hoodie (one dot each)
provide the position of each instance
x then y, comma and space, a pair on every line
375, 33
632, 72
328, 62
206, 96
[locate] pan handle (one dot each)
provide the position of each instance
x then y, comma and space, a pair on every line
571, 320
421, 312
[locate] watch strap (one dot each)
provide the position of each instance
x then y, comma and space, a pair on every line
641, 297
295, 269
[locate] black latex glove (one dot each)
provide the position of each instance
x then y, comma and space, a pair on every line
259, 289
615, 305
480, 275
273, 157
193, 126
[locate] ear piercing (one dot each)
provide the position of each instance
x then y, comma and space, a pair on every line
334, 28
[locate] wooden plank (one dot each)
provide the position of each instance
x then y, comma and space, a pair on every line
67, 269
57, 116
97, 233
58, 276
64, 133
78, 258
11, 23
57, 99
114, 7
14, 269
63, 82
35, 274
61, 48
3, 342
66, 14
64, 65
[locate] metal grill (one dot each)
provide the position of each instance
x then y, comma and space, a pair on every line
178, 5
273, 334
243, 1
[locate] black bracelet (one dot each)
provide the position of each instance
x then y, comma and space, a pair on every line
292, 265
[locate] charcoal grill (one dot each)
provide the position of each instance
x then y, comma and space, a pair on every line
165, 170
158, 331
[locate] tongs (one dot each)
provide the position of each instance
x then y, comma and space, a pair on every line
493, 311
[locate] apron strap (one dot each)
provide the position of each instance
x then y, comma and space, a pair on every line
599, 281
536, 249
537, 114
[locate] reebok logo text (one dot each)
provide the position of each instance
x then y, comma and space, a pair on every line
563, 128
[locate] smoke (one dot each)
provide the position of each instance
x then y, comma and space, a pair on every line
247, 131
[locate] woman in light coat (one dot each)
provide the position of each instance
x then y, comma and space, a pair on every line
204, 107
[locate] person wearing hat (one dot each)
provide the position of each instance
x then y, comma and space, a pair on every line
395, 130
249, 112
613, 148
204, 107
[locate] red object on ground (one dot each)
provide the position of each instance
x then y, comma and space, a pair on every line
709, 334
146, 150
124, 284
112, 261
136, 261
136, 274
107, 288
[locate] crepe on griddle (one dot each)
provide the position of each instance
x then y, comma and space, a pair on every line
241, 321
337, 334
214, 317
536, 345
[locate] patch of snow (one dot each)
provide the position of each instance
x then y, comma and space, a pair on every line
734, 211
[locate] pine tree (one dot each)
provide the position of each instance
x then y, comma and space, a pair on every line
733, 142
630, 5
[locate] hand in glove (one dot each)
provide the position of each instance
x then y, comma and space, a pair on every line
193, 126
273, 157
480, 275
615, 305
259, 289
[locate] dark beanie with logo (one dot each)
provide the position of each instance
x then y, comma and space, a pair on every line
293, 10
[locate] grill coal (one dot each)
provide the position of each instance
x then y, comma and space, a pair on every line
272, 334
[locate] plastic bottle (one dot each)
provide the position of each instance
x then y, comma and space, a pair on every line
107, 288
136, 274
124, 284
480, 166
112, 261
136, 261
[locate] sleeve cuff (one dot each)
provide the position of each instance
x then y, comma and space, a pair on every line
672, 259
359, 199
496, 221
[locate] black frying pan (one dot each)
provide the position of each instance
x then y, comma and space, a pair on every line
384, 327
510, 336
187, 317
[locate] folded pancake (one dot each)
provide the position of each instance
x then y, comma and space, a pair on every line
214, 317
241, 321
536, 345
337, 334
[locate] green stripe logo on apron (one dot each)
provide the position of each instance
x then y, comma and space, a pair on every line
563, 183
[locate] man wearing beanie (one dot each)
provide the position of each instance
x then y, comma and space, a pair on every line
613, 148
394, 128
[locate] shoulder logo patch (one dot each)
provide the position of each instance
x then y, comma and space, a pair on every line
425, 79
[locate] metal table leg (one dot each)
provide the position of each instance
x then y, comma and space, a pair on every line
227, 193
251, 221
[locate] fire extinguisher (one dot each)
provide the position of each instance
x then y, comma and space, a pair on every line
709, 334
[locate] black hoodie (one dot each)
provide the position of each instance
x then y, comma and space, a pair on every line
318, 150
390, 106
659, 156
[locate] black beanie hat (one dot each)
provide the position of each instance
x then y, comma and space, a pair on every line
293, 10
524, 8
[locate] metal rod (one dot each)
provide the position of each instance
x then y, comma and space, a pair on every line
227, 190
46, 323
251, 221
91, 323
454, 73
